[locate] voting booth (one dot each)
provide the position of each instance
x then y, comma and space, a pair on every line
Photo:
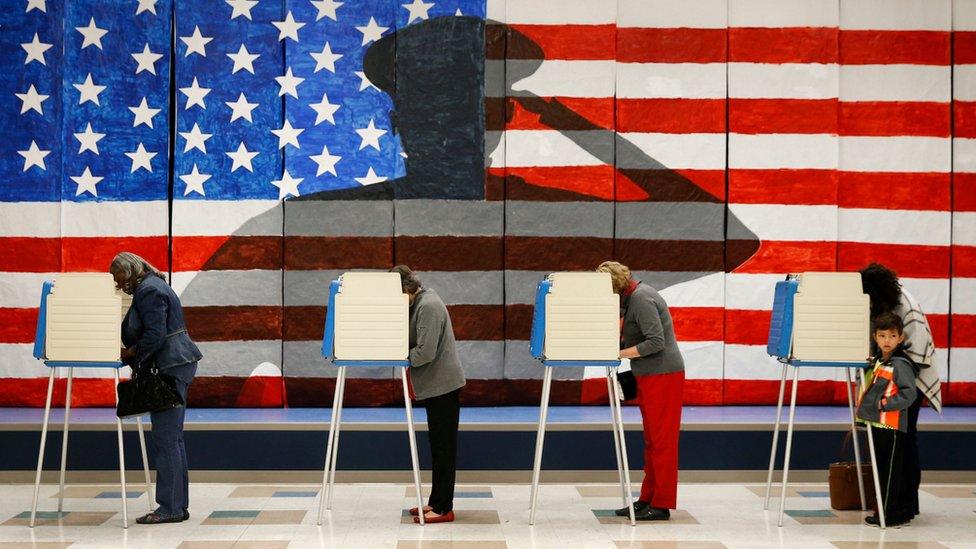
819, 320
366, 326
79, 325
576, 323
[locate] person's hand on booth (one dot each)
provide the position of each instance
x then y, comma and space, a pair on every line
630, 352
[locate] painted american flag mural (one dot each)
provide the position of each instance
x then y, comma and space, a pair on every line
712, 149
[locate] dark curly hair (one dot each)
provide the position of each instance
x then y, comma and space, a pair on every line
881, 284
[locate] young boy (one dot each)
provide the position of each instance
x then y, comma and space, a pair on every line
884, 404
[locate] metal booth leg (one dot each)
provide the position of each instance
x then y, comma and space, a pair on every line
540, 442
329, 447
333, 465
874, 470
857, 445
773, 449
145, 462
413, 447
619, 425
118, 426
64, 440
616, 440
789, 445
40, 453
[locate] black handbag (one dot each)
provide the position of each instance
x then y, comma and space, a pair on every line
628, 384
146, 392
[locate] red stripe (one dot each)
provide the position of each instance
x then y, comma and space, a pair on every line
939, 323
964, 192
746, 327
681, 45
18, 325
907, 260
669, 255
196, 253
901, 191
671, 115
589, 181
885, 118
755, 116
30, 255
96, 253
964, 47
559, 113
964, 261
698, 323
888, 47
531, 253
582, 183
85, 392
964, 119
791, 257
470, 323
234, 323
579, 42
796, 187
959, 393
765, 392
783, 45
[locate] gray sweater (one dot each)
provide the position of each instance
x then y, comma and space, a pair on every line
647, 324
435, 368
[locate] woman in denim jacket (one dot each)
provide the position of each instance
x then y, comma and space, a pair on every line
154, 335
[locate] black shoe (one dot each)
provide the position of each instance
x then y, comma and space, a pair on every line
153, 518
654, 513
186, 515
639, 507
872, 520
890, 522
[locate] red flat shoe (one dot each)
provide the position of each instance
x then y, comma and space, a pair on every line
414, 512
446, 517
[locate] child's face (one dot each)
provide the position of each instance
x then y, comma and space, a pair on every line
887, 340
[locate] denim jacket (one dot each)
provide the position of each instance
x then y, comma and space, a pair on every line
155, 329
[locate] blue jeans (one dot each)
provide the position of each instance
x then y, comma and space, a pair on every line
169, 452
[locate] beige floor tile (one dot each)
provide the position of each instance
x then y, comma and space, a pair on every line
669, 544
52, 518
951, 491
280, 517
888, 545
34, 545
447, 544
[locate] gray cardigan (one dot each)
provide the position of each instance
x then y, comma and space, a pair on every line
435, 368
647, 324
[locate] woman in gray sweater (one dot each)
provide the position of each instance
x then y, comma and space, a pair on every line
435, 379
647, 339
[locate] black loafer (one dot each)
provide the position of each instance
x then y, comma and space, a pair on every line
654, 513
639, 507
890, 522
153, 518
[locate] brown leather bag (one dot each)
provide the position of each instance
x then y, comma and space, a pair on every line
842, 479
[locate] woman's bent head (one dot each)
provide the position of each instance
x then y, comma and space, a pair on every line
619, 274
128, 270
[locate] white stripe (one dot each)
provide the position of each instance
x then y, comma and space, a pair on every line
561, 12
964, 82
911, 227
17, 361
750, 362
964, 155
32, 219
222, 217
786, 80
252, 287
895, 14
545, 148
963, 360
671, 80
963, 15
94, 219
22, 290
782, 151
677, 151
963, 296
495, 10
894, 83
561, 78
782, 13
707, 291
703, 359
932, 294
752, 292
894, 154
783, 222
964, 228
707, 14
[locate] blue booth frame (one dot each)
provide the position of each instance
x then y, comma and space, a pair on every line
537, 349
335, 421
779, 346
40, 340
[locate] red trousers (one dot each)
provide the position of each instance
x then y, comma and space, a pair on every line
659, 398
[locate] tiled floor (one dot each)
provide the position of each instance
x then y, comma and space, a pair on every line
496, 516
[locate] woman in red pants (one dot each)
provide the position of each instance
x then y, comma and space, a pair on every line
647, 339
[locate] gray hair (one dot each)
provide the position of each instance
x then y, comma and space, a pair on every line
409, 281
133, 270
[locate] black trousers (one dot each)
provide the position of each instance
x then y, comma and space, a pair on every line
912, 465
890, 449
442, 430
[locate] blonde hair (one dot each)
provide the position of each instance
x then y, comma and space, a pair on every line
619, 274
133, 269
